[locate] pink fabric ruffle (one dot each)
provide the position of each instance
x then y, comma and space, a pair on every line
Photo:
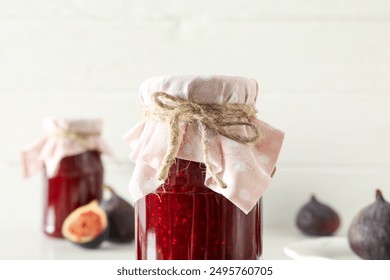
48, 151
245, 168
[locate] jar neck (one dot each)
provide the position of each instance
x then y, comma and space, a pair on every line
185, 176
80, 164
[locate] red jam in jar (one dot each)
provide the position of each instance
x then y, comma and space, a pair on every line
184, 220
79, 181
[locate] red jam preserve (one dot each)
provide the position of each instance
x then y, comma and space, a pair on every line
79, 181
184, 220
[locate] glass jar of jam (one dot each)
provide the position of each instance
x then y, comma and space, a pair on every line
202, 163
70, 157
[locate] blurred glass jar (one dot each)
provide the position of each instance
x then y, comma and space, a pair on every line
70, 157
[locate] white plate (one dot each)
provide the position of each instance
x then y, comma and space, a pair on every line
321, 248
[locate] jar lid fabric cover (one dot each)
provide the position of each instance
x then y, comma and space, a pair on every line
63, 137
245, 168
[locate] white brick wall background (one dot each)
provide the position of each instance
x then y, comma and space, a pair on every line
323, 69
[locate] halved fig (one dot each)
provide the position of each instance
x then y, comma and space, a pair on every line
86, 226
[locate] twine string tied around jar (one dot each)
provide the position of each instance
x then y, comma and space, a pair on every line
216, 117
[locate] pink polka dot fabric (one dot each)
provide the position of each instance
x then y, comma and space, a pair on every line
245, 168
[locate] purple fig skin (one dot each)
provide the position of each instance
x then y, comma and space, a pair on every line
96, 242
121, 218
317, 219
369, 233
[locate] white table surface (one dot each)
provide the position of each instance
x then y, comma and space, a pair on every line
18, 243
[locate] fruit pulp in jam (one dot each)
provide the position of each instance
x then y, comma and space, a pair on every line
184, 220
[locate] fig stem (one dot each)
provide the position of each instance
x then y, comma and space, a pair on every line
378, 195
106, 187
313, 198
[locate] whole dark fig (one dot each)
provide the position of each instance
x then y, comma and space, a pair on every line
369, 233
120, 216
317, 219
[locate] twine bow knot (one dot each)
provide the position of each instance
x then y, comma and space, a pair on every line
216, 117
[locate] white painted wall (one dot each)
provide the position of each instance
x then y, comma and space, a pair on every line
323, 68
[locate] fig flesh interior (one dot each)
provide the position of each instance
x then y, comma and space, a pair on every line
88, 225
85, 224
